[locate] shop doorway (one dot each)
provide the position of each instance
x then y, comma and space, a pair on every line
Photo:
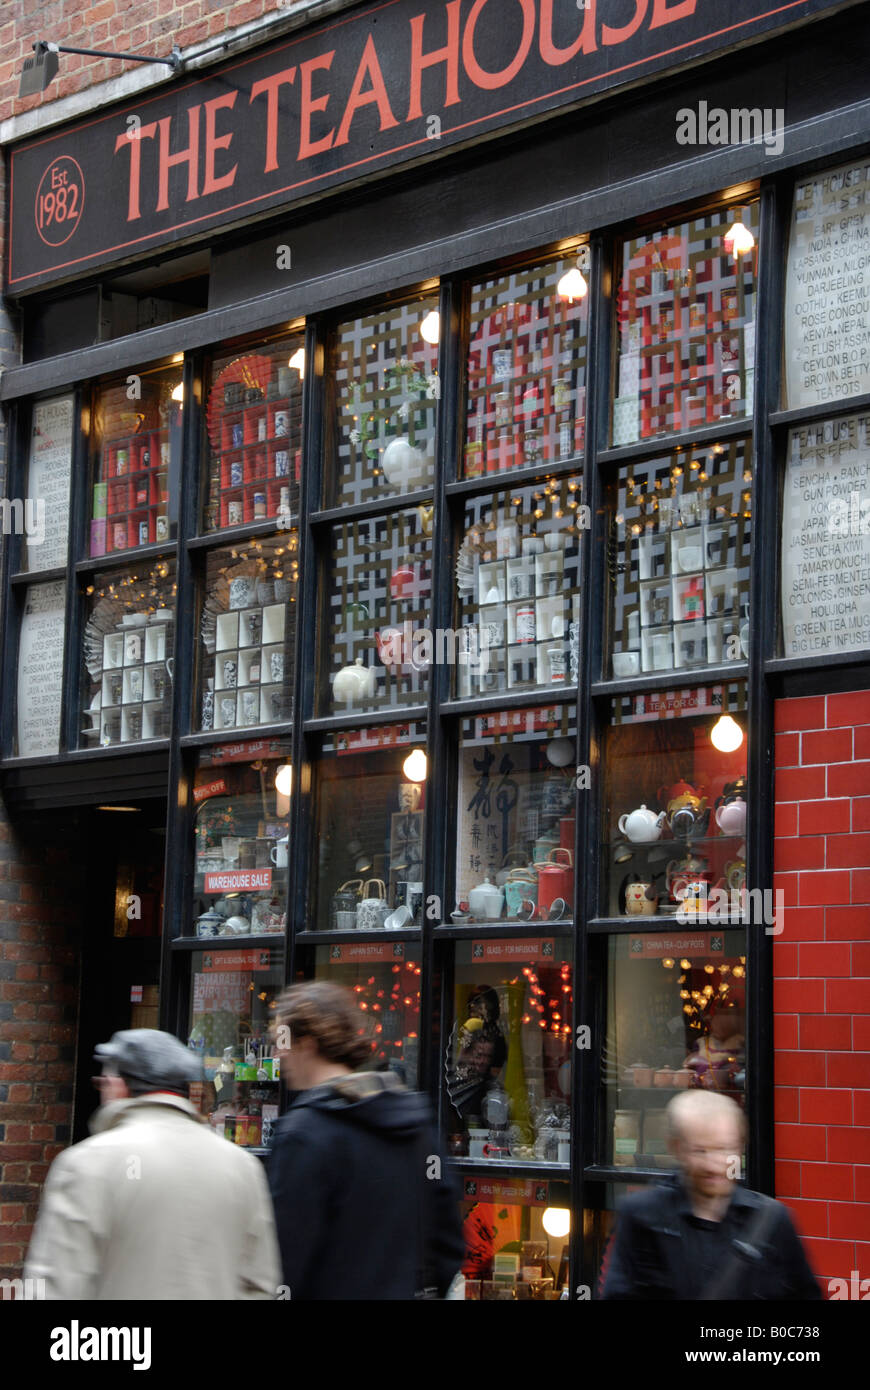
124, 844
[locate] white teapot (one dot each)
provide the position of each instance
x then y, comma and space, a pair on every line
486, 900
642, 826
404, 465
353, 683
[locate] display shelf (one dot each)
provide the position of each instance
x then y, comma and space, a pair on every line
256, 466
131, 494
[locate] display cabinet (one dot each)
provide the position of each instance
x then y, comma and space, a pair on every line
516, 1238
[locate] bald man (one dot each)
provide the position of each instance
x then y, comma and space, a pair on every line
703, 1237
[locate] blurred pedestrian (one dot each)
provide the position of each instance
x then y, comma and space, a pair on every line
364, 1204
703, 1237
154, 1205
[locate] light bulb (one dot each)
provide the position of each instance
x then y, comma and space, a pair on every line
726, 734
738, 240
556, 1221
178, 392
415, 766
572, 285
298, 361
284, 779
430, 327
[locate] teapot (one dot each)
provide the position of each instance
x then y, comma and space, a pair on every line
372, 913
731, 817
677, 790
208, 923
641, 826
351, 683
641, 900
733, 791
486, 901
688, 816
344, 905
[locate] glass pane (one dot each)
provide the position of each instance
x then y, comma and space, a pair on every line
526, 400
386, 389
675, 804
509, 1251
385, 980
827, 294
507, 1063
247, 633
232, 1002
129, 655
44, 520
518, 586
676, 1017
826, 538
371, 800
515, 838
253, 435
686, 327
136, 444
242, 796
678, 561
40, 670
376, 613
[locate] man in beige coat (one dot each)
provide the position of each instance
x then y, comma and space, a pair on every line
154, 1205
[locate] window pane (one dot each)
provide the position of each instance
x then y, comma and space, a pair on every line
509, 1253
686, 327
676, 1017
518, 586
247, 634
253, 435
827, 296
45, 518
507, 1065
136, 442
129, 655
515, 840
370, 829
377, 600
40, 670
678, 561
526, 400
675, 803
826, 538
242, 798
385, 981
386, 389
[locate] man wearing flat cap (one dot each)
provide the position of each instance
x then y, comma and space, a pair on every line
154, 1205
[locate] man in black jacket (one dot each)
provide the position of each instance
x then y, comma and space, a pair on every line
364, 1205
703, 1237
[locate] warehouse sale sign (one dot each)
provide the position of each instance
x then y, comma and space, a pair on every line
387, 85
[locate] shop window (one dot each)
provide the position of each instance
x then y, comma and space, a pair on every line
129, 654
371, 806
385, 392
827, 292
516, 1239
378, 643
247, 634
518, 586
384, 979
232, 1006
515, 826
253, 427
526, 401
678, 561
241, 793
686, 326
675, 804
676, 1018
44, 519
40, 670
507, 1063
825, 558
136, 443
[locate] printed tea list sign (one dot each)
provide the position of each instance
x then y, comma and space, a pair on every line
40, 670
826, 538
827, 306
48, 483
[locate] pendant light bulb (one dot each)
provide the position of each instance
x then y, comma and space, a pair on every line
430, 327
726, 734
284, 779
298, 361
572, 285
178, 392
415, 766
738, 240
556, 1221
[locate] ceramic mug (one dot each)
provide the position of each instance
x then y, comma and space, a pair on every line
242, 589
235, 514
236, 473
228, 712
230, 675
282, 422
282, 464
276, 666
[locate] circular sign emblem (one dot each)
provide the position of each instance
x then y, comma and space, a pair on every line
60, 198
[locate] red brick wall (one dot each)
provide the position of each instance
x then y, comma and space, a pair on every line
821, 966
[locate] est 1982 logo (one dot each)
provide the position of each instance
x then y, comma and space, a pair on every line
60, 198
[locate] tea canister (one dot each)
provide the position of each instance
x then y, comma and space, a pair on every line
344, 905
555, 878
372, 912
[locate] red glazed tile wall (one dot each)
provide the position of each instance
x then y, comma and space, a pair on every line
821, 963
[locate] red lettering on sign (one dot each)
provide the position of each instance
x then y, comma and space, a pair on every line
272, 86
489, 81
145, 132
188, 156
211, 183
662, 14
307, 146
370, 68
585, 41
612, 36
449, 54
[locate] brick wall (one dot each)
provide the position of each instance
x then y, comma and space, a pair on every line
821, 966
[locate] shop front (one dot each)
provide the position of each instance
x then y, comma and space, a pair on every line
422, 564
